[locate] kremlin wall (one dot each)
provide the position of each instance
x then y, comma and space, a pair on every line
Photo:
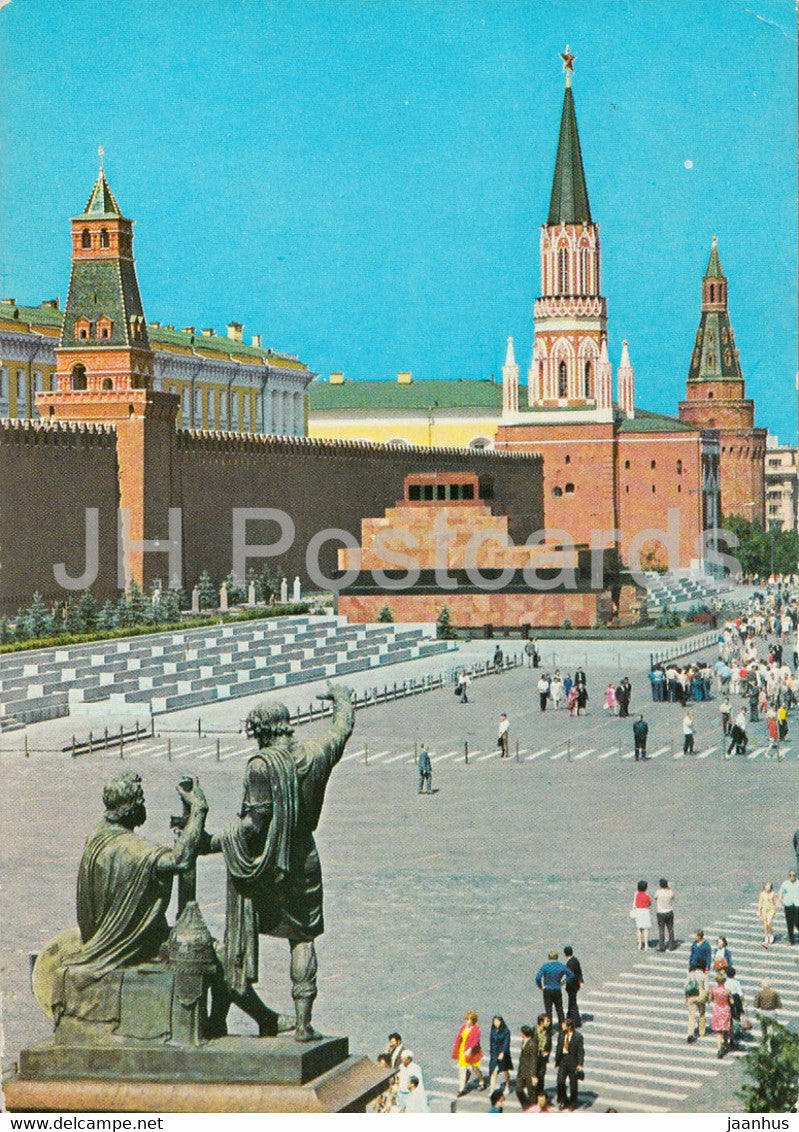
121, 433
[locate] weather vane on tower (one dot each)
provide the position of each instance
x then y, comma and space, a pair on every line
568, 64
101, 151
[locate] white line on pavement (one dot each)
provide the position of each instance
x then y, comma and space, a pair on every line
448, 755
395, 758
584, 754
754, 754
607, 754
559, 755
684, 1073
538, 754
663, 1093
709, 751
490, 755
657, 754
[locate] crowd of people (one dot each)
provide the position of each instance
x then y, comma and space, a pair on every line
563, 691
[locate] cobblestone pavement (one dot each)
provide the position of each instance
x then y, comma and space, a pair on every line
439, 904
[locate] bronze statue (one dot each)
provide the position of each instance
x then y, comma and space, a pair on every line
274, 875
124, 889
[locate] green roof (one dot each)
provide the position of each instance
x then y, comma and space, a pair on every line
569, 201
102, 204
161, 337
645, 421
714, 263
715, 356
419, 395
103, 288
33, 316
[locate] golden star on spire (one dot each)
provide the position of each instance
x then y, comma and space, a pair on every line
568, 64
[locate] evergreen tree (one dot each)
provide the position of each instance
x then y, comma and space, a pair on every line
5, 631
38, 619
21, 632
140, 610
182, 598
73, 618
236, 593
123, 614
446, 631
269, 584
773, 1068
106, 618
156, 603
169, 607
88, 611
209, 597
385, 615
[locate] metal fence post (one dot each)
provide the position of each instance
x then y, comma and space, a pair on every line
199, 728
169, 750
218, 750
91, 744
121, 741
366, 754
415, 754
27, 752
466, 750
517, 751
152, 726
569, 751
105, 739
74, 752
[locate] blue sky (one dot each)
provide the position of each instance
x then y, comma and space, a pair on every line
363, 183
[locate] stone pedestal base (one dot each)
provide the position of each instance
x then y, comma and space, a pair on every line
233, 1074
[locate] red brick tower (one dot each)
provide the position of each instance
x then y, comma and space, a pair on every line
716, 399
104, 368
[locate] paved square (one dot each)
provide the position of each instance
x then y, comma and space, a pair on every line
435, 905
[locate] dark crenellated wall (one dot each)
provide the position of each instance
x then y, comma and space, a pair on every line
50, 473
322, 484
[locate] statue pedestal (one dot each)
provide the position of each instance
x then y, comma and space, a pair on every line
232, 1074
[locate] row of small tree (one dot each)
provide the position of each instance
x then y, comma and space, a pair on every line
81, 614
445, 628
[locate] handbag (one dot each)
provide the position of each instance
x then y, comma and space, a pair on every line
692, 988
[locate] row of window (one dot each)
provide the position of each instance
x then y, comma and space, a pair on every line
103, 240
440, 491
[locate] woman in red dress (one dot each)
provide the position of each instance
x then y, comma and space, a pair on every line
468, 1054
721, 1021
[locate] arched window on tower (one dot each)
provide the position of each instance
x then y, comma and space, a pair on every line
712, 293
584, 271
86, 238
563, 271
79, 378
563, 386
587, 382
104, 241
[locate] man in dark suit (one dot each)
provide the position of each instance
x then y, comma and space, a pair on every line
525, 1070
569, 1063
574, 985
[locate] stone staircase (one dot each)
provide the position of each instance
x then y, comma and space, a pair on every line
170, 671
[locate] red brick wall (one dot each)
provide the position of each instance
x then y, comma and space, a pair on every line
583, 456
641, 507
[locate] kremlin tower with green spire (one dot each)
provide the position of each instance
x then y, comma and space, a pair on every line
716, 399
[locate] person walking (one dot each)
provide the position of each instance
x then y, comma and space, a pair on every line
664, 911
623, 696
640, 733
526, 1072
462, 687
543, 1036
722, 956
417, 1097
642, 915
408, 1069
766, 910
499, 1052
700, 957
425, 768
696, 997
611, 703
789, 898
688, 733
767, 998
468, 1053
543, 692
721, 1018
573, 987
569, 1058
725, 711
550, 979
556, 690
796, 847
502, 736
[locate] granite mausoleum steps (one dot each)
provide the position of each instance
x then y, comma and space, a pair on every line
169, 671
